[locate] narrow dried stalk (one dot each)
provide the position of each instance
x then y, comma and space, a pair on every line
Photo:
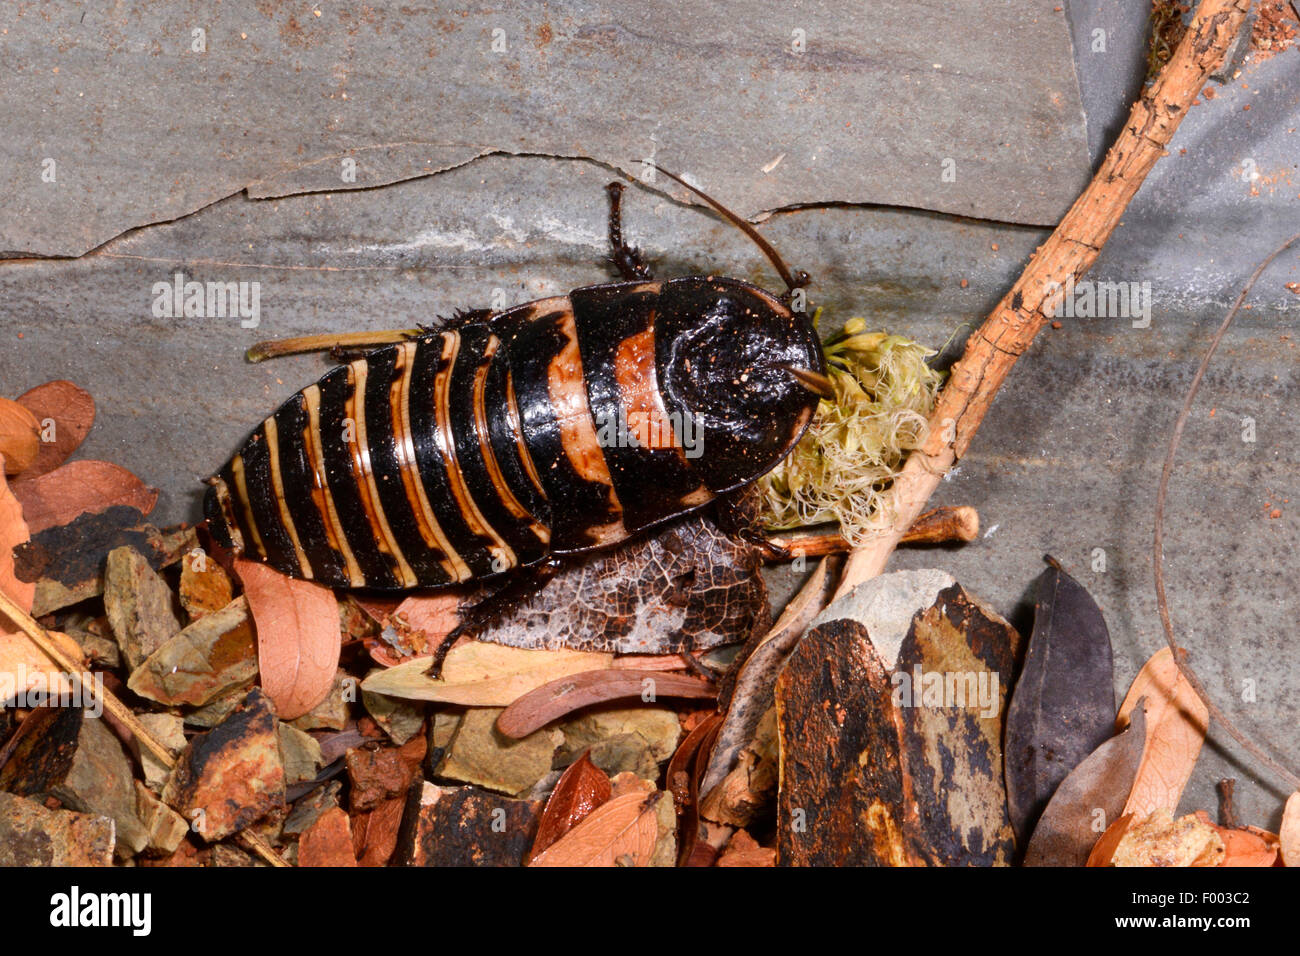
37, 635
1158, 542
946, 525
1067, 254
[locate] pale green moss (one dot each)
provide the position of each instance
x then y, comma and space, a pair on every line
884, 393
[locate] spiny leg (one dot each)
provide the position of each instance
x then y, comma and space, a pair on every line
521, 586
626, 259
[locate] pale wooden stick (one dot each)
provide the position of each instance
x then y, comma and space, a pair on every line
1068, 253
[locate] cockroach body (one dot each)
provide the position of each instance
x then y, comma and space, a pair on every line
507, 439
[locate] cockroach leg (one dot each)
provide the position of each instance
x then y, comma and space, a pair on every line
699, 667
626, 259
519, 588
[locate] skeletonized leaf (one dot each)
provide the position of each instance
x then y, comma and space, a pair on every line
1064, 702
81, 487
552, 701
688, 587
581, 789
1289, 832
482, 675
1176, 724
66, 413
20, 659
620, 832
1089, 800
298, 636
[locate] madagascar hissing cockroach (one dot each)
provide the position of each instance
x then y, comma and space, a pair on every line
502, 440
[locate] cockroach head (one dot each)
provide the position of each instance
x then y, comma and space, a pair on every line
740, 371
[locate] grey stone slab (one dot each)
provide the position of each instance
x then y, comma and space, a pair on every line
859, 103
1066, 462
1110, 53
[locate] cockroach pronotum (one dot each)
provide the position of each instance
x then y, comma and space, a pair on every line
505, 440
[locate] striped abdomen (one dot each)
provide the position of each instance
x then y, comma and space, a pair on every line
551, 428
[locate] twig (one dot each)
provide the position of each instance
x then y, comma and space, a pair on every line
37, 635
1162, 603
1069, 252
946, 525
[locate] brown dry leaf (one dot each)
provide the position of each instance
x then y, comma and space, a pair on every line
423, 620
1289, 833
552, 701
1104, 850
205, 586
482, 675
743, 850
298, 636
81, 487
328, 841
580, 790
1160, 840
1177, 721
622, 832
21, 661
66, 413
1243, 847
20, 437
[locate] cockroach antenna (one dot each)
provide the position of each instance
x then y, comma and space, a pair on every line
797, 279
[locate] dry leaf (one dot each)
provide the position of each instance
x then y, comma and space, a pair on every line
1177, 721
1104, 851
1289, 833
581, 789
20, 437
66, 413
328, 841
81, 487
743, 850
1160, 840
1094, 792
552, 701
1064, 702
622, 832
687, 586
298, 636
482, 675
1244, 847
205, 586
424, 620
21, 661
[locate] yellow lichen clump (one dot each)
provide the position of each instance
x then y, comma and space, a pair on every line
884, 393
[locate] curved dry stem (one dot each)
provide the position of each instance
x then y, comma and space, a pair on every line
1162, 601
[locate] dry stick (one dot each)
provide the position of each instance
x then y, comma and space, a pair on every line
1067, 254
1162, 604
37, 635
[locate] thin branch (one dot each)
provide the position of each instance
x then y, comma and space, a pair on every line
1162, 602
1068, 253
